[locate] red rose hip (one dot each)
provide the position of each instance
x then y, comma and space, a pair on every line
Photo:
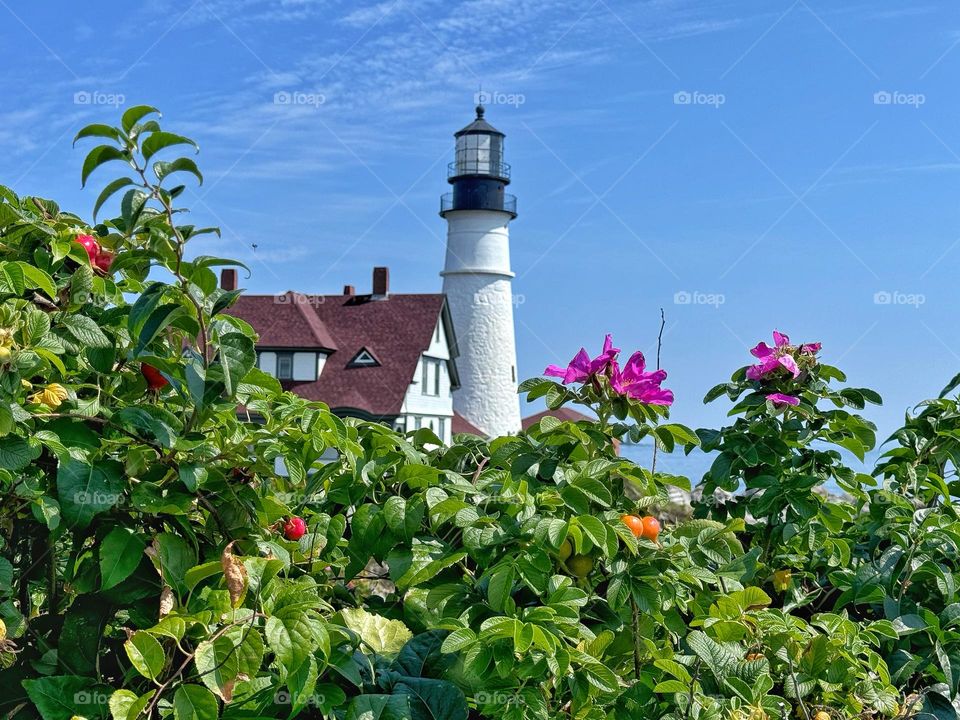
103, 261
90, 244
294, 528
155, 381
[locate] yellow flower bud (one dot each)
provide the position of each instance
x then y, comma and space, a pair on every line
52, 396
5, 354
781, 580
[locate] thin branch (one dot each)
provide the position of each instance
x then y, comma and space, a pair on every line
663, 321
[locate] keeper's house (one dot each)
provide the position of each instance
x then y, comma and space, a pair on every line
378, 356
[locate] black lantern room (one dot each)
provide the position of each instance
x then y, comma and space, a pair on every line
479, 175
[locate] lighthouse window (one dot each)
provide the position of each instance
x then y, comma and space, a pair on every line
478, 154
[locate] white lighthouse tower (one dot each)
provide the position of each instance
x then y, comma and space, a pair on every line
477, 279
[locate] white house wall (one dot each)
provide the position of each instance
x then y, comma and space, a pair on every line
430, 408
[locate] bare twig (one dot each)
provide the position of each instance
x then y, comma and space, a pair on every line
663, 321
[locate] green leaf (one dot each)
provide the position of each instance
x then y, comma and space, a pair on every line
120, 553
162, 169
237, 356
292, 635
6, 419
379, 707
194, 702
109, 190
301, 684
433, 699
146, 654
11, 275
379, 635
16, 453
218, 667
682, 433
150, 421
85, 490
99, 130
6, 575
120, 703
159, 140
501, 586
60, 697
36, 278
98, 156
86, 331
176, 556
135, 114
159, 319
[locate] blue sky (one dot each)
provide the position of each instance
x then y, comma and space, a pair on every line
744, 165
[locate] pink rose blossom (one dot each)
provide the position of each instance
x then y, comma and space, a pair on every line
780, 399
582, 367
634, 382
773, 358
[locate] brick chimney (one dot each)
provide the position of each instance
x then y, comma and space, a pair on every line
381, 282
349, 290
228, 279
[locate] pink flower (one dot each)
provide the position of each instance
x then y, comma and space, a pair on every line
634, 382
605, 359
779, 399
582, 367
773, 358
810, 348
577, 371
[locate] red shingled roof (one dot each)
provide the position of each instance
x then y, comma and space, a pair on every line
565, 414
459, 424
396, 330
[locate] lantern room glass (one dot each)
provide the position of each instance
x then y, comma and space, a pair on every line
479, 154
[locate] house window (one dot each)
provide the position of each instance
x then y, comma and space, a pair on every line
430, 382
442, 428
285, 366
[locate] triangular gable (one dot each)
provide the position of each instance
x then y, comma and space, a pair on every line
364, 358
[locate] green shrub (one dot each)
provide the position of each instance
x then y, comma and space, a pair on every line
145, 570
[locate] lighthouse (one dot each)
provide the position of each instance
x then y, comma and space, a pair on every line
477, 279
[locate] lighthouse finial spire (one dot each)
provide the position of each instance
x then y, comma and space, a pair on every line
480, 111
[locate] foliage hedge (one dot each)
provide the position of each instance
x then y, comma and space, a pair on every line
144, 571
